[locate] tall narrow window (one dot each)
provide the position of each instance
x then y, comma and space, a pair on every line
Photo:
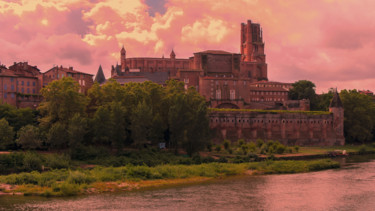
232, 94
218, 94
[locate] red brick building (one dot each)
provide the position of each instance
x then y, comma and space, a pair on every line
85, 80
20, 84
227, 80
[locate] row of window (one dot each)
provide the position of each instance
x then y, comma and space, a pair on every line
268, 93
11, 95
22, 83
267, 99
22, 89
271, 85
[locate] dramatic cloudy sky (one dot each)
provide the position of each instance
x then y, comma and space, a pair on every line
330, 42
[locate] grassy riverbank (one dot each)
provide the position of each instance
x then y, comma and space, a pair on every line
65, 182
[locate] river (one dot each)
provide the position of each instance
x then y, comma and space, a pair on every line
351, 187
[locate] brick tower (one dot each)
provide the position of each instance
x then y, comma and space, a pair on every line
252, 45
337, 110
123, 59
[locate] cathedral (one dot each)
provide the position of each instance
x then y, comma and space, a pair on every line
225, 79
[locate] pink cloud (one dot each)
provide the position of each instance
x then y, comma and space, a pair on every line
327, 41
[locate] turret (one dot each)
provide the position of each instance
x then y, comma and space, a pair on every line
123, 59
100, 78
337, 110
173, 55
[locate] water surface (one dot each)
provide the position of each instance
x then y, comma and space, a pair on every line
349, 188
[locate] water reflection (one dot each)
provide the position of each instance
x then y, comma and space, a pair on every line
348, 188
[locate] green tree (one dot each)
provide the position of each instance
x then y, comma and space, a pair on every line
178, 120
62, 101
18, 118
323, 101
29, 137
76, 130
119, 132
359, 116
57, 136
141, 124
7, 134
304, 89
102, 126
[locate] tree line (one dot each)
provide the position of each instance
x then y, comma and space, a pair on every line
359, 109
112, 115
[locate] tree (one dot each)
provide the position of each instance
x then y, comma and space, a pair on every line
119, 125
62, 101
7, 134
304, 89
323, 101
76, 130
29, 137
18, 118
57, 136
359, 116
102, 126
141, 124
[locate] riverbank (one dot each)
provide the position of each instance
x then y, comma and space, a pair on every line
65, 182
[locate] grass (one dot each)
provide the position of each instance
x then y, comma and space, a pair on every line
66, 182
325, 150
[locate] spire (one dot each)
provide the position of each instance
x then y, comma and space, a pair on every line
123, 49
100, 78
173, 55
336, 101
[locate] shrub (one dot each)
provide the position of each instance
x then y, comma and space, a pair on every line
196, 159
263, 149
226, 144
280, 149
77, 177
56, 161
240, 142
218, 148
244, 149
296, 148
88, 153
362, 149
222, 159
29, 137
68, 189
259, 143
252, 147
208, 159
230, 151
32, 162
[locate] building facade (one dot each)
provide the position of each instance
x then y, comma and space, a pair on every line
290, 128
84, 80
226, 80
20, 84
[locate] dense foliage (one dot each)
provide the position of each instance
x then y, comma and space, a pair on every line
359, 109
112, 116
359, 122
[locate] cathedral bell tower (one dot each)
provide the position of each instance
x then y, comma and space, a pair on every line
252, 45
123, 59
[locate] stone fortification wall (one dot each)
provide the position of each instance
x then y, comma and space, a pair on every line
298, 128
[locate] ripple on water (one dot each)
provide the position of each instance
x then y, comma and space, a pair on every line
343, 189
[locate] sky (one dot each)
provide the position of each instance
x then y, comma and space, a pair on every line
329, 42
